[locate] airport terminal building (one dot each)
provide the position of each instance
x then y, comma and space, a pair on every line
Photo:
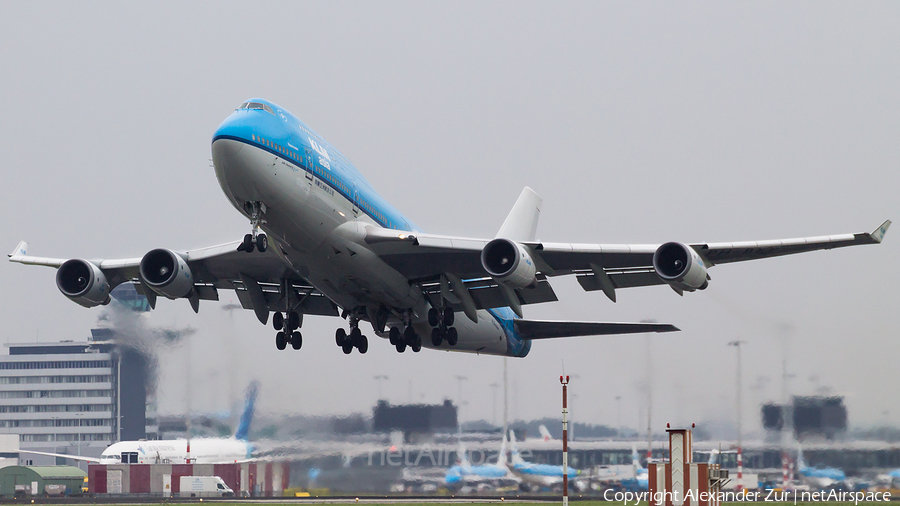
74, 397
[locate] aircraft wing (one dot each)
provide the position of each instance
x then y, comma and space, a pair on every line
429, 259
538, 329
62, 455
253, 277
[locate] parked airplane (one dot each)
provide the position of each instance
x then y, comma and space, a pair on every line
539, 475
464, 473
180, 451
641, 479
545, 434
819, 477
338, 248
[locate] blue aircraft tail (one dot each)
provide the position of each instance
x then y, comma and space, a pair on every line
243, 430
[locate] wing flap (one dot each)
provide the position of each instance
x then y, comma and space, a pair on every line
312, 302
546, 329
486, 293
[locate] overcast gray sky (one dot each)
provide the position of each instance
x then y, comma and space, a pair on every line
636, 122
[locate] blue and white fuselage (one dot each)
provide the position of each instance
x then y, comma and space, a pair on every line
316, 210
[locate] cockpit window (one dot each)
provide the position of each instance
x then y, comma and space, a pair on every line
257, 105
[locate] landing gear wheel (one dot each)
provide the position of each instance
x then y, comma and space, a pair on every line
340, 337
401, 347
363, 345
433, 317
280, 341
355, 336
452, 336
348, 348
247, 245
436, 337
409, 335
417, 346
293, 320
296, 340
448, 317
262, 243
394, 336
278, 321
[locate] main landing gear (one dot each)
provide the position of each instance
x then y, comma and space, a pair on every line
442, 321
354, 340
407, 338
288, 330
260, 241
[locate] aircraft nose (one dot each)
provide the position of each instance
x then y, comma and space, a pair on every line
230, 130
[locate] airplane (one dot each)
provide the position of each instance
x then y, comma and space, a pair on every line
819, 477
236, 448
545, 434
539, 475
641, 479
464, 473
339, 249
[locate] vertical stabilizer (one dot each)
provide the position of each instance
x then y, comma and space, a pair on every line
635, 459
545, 434
515, 458
501, 457
521, 223
243, 430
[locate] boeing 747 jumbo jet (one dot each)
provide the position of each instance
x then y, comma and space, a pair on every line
323, 242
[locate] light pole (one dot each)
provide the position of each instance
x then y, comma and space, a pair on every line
737, 345
459, 380
378, 379
619, 416
564, 381
494, 387
572, 430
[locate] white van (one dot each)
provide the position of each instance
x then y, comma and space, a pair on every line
204, 486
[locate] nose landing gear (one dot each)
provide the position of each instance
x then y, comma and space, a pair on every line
254, 238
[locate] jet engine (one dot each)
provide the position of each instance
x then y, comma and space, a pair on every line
167, 274
508, 263
680, 266
83, 282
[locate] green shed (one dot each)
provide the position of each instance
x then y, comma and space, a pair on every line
50, 480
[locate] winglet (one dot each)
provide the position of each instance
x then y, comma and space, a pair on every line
877, 235
20, 251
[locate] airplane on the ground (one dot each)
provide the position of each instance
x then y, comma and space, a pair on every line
819, 477
464, 473
545, 434
338, 248
641, 479
236, 448
539, 475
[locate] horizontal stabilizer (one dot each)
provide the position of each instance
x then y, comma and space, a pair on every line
541, 329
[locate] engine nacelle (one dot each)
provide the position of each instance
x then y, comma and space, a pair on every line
167, 274
680, 266
83, 282
508, 263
